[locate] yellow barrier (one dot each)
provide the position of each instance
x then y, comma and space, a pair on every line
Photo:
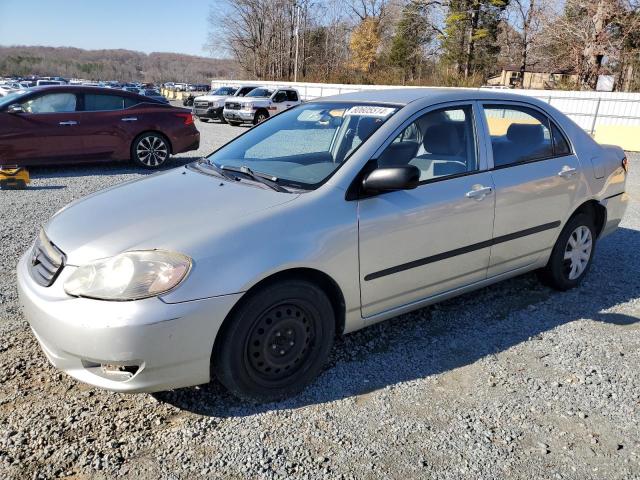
625, 136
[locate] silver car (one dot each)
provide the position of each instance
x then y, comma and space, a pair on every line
329, 217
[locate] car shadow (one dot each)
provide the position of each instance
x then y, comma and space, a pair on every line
450, 335
104, 168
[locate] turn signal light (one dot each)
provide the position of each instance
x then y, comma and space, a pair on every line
625, 164
187, 118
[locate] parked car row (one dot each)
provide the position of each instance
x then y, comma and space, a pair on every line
187, 87
69, 124
244, 104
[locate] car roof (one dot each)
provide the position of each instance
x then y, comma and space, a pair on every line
404, 96
89, 89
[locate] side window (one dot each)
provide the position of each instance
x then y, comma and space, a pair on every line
130, 102
440, 143
560, 144
292, 96
97, 102
51, 103
518, 134
281, 96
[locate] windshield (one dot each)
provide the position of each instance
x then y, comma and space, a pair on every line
152, 93
13, 97
259, 92
303, 146
224, 91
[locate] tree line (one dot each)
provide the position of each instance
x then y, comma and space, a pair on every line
429, 42
122, 65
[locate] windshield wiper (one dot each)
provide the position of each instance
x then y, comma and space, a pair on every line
220, 171
268, 180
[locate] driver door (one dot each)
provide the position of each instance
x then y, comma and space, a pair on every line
419, 243
47, 131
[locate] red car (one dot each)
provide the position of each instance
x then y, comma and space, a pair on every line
69, 124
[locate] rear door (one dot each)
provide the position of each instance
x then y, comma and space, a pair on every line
47, 131
537, 181
109, 124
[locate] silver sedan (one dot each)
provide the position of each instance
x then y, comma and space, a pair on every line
329, 217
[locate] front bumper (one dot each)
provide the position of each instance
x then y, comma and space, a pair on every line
162, 345
238, 115
213, 113
616, 206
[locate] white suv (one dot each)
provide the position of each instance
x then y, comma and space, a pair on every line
208, 107
259, 104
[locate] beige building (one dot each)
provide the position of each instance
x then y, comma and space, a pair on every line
533, 78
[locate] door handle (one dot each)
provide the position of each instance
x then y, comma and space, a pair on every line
70, 122
567, 171
129, 119
479, 192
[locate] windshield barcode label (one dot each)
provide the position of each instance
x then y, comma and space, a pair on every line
370, 111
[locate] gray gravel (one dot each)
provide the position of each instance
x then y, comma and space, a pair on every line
515, 380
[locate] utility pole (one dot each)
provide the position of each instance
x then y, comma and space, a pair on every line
297, 33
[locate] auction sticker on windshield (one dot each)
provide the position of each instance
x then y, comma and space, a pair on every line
370, 111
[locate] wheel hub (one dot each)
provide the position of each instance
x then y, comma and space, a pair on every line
280, 341
577, 252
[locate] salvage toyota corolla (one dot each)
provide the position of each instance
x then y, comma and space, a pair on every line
324, 219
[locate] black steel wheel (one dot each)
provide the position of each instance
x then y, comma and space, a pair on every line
276, 342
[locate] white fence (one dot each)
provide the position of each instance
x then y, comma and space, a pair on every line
588, 109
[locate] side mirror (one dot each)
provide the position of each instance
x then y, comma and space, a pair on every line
390, 179
15, 108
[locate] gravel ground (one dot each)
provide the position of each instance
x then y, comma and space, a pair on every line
515, 380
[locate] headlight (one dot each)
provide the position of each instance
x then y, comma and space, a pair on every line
216, 104
129, 276
248, 106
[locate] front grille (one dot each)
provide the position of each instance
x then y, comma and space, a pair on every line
201, 104
46, 261
233, 106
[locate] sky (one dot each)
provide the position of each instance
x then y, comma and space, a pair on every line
144, 25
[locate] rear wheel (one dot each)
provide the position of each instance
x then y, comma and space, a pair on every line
203, 119
276, 342
572, 254
150, 150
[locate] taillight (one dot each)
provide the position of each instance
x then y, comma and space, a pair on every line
187, 118
625, 164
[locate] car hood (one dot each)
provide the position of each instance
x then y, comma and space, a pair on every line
211, 98
244, 100
177, 210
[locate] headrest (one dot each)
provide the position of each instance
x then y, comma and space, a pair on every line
525, 133
442, 139
366, 126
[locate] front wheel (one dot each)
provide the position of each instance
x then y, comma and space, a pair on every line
234, 124
572, 254
276, 342
260, 117
150, 150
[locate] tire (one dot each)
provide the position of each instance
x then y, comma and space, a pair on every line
276, 342
150, 150
222, 119
572, 254
261, 116
203, 119
234, 124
